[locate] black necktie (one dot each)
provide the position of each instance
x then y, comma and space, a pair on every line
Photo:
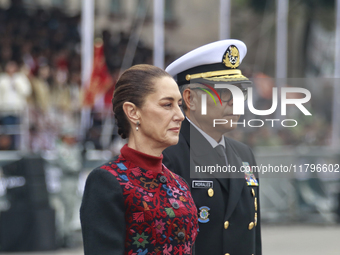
220, 151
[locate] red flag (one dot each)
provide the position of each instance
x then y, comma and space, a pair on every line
101, 80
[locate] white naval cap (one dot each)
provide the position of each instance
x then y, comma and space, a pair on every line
215, 62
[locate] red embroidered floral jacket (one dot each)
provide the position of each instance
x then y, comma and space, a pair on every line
134, 205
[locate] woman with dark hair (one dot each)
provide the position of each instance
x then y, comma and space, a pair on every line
134, 204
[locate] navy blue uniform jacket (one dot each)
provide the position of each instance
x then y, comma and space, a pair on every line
233, 225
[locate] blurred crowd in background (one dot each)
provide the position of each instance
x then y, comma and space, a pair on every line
40, 86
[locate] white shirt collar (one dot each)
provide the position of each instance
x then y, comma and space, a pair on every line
208, 137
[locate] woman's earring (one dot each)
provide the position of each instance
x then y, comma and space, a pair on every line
137, 124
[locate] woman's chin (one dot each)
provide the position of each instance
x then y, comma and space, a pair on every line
172, 141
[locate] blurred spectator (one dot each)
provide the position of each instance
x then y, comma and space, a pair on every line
75, 91
6, 55
69, 160
92, 140
14, 90
40, 97
5, 142
60, 94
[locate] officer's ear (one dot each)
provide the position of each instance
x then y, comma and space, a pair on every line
189, 99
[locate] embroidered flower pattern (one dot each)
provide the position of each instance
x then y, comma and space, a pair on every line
159, 226
158, 213
140, 240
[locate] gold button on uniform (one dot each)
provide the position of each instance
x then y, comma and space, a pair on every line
251, 225
253, 192
255, 204
226, 224
210, 192
227, 254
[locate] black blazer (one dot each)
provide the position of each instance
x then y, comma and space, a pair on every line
130, 210
231, 220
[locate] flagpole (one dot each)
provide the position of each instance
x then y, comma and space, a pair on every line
224, 19
281, 47
130, 51
158, 39
336, 85
86, 58
281, 38
87, 40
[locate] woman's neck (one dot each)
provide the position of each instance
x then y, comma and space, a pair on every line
145, 146
141, 159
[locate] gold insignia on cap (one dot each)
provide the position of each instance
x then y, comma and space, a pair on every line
231, 57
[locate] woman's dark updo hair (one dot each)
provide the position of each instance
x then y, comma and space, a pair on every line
133, 86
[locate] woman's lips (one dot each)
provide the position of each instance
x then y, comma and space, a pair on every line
175, 129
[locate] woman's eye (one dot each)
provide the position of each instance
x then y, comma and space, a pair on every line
168, 105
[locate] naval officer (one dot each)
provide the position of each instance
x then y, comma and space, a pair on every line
227, 203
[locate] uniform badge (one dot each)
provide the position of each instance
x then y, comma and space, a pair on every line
231, 57
202, 184
204, 214
249, 175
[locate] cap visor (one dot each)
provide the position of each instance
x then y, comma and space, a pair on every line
222, 80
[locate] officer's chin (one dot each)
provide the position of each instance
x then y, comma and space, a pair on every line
231, 117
